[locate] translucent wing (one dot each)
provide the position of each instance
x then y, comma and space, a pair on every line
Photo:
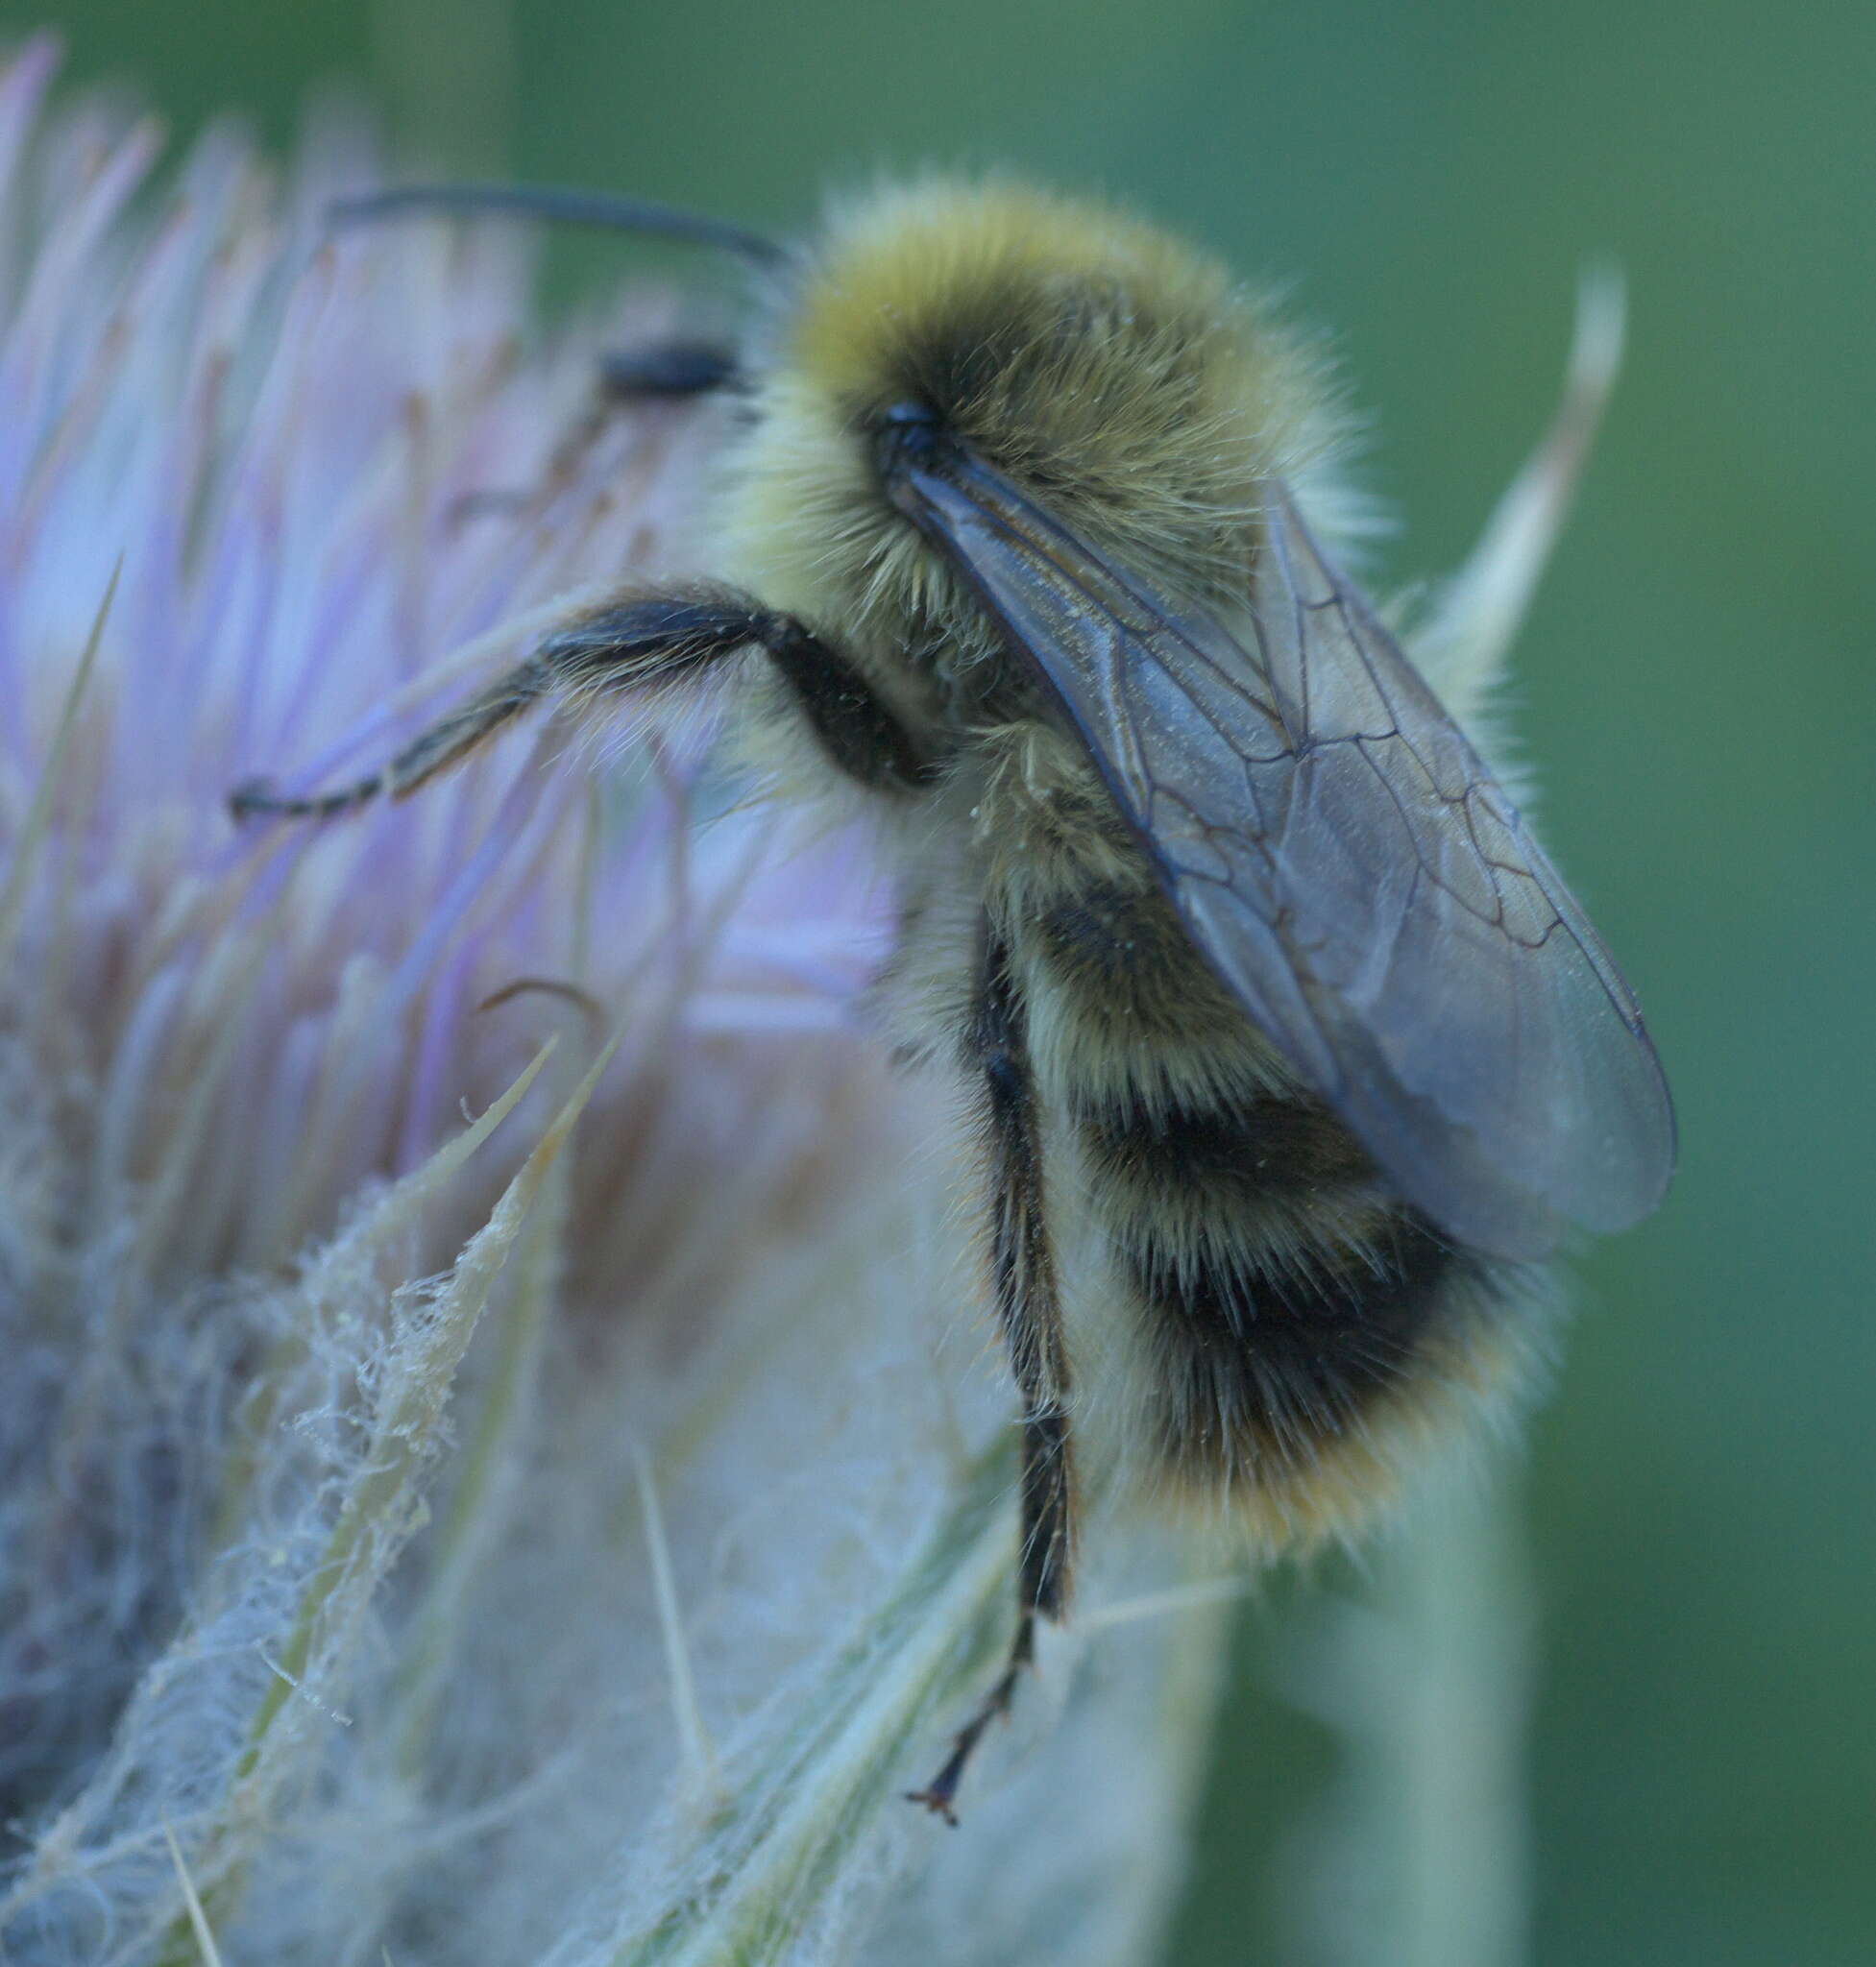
1346, 863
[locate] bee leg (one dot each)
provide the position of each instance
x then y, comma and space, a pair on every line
434, 750
661, 372
1030, 1313
645, 643
666, 372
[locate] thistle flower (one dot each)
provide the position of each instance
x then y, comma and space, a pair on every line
500, 1458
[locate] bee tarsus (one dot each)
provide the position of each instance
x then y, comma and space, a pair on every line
939, 1795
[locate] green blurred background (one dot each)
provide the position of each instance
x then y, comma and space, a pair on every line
1696, 687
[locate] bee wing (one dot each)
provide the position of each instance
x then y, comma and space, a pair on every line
1344, 862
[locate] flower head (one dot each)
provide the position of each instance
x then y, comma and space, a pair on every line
558, 1533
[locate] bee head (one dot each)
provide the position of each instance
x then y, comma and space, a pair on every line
1108, 372
1103, 365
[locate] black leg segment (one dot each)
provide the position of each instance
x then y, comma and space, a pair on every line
1029, 1311
669, 372
647, 641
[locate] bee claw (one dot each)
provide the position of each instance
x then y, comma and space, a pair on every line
938, 1804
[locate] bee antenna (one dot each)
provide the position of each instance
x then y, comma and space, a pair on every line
559, 207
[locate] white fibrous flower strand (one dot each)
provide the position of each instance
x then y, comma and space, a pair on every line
503, 1453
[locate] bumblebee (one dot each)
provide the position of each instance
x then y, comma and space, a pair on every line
1291, 1055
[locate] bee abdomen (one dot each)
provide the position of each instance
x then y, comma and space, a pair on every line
1220, 1156
1289, 1304
1296, 1322
1269, 1359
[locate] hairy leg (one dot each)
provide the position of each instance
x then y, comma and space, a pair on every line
646, 642
1029, 1311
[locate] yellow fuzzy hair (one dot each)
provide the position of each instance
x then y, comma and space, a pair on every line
1083, 353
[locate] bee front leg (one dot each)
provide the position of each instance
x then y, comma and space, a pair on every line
1029, 1311
643, 642
667, 371
674, 373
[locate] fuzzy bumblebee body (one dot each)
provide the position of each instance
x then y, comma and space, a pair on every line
1272, 1325
1291, 1054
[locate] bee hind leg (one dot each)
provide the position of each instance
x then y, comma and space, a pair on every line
1029, 1311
